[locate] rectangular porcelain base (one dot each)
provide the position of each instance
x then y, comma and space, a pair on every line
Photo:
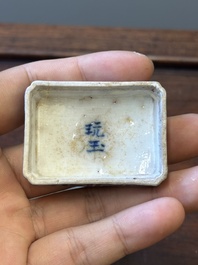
95, 133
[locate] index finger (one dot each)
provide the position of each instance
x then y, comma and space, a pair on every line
102, 66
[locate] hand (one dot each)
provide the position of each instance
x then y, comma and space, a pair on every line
93, 225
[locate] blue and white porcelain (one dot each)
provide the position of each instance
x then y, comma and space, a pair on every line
95, 133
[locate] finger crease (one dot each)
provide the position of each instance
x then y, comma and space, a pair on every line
38, 221
29, 74
121, 236
77, 250
95, 209
80, 70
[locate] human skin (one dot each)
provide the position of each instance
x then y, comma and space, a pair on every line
91, 225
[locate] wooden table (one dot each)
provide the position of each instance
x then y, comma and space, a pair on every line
175, 54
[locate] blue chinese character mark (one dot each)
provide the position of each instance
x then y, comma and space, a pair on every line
95, 131
95, 146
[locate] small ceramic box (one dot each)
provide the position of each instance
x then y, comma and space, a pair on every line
95, 133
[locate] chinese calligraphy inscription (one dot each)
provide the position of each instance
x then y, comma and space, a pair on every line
95, 133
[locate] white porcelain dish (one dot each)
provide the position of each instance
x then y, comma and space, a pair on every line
95, 133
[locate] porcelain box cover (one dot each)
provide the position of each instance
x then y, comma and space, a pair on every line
95, 133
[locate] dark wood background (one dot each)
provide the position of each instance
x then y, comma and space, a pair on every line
175, 55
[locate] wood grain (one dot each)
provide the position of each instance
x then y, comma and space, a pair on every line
175, 54
180, 47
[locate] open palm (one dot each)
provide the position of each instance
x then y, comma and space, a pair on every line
91, 225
